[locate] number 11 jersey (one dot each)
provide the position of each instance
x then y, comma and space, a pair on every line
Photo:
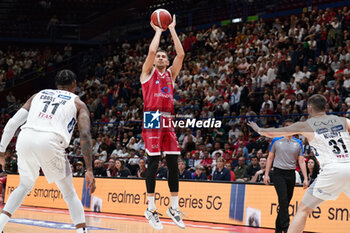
53, 111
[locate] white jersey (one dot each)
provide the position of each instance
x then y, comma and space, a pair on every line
331, 141
53, 111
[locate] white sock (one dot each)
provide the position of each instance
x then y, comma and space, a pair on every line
82, 230
3, 220
174, 202
151, 204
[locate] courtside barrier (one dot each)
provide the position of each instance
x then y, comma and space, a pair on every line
229, 203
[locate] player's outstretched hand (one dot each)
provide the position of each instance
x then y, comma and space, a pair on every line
90, 181
254, 126
305, 184
173, 24
156, 28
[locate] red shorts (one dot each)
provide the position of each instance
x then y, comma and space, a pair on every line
158, 141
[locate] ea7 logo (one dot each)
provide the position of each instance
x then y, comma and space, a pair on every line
319, 123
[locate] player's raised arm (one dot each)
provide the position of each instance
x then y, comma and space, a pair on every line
297, 128
180, 53
85, 141
153, 47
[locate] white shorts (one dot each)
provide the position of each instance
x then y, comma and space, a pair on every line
37, 149
332, 180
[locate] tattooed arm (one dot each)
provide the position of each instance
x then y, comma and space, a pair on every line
85, 141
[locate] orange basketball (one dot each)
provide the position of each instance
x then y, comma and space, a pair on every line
161, 18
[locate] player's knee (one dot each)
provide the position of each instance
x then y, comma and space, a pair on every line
26, 186
304, 209
172, 163
69, 195
152, 166
153, 161
283, 201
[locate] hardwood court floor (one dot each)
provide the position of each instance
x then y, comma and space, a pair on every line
40, 220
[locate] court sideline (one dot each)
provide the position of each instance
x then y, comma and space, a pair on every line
32, 219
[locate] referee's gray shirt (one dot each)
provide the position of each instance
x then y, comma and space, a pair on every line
286, 152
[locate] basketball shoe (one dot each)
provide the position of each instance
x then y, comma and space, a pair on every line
175, 216
153, 219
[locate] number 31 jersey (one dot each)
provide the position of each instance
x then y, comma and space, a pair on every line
53, 111
331, 142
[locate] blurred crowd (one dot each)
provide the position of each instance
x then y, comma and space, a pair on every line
261, 70
17, 62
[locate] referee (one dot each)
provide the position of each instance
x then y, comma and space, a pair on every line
284, 153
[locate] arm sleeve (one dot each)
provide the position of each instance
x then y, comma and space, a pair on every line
272, 147
12, 125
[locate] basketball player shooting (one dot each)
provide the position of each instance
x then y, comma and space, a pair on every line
329, 136
158, 91
49, 118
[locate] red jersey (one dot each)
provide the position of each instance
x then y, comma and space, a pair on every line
158, 92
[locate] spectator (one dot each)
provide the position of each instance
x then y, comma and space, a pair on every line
79, 169
233, 133
262, 144
188, 142
111, 170
259, 175
162, 172
206, 161
217, 147
232, 174
298, 75
235, 99
133, 162
99, 169
118, 150
122, 171
141, 171
252, 168
199, 173
313, 168
183, 173
267, 101
132, 144
221, 173
102, 153
68, 50
240, 169
227, 154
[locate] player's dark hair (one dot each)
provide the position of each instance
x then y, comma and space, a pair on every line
162, 51
318, 102
65, 78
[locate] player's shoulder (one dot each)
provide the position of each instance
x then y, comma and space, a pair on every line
146, 76
47, 92
297, 140
276, 139
80, 105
